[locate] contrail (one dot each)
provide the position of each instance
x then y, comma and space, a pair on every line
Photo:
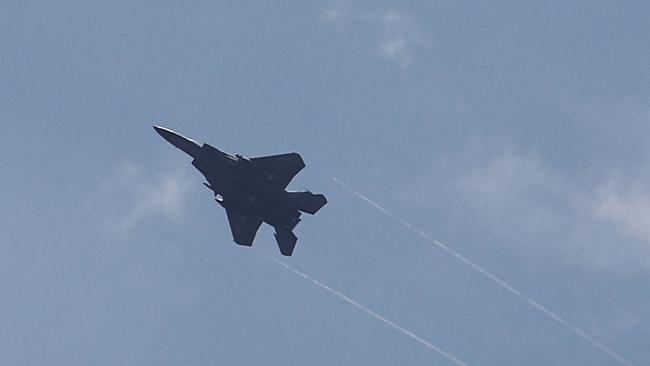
390, 323
551, 314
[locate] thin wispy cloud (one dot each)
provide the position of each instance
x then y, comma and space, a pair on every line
600, 225
528, 202
626, 206
392, 34
139, 194
509, 173
400, 37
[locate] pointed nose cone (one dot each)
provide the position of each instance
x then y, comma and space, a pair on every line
167, 134
189, 146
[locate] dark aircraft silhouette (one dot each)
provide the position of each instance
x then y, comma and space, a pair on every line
252, 190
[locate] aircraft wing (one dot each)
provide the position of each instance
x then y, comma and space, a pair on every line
243, 227
279, 168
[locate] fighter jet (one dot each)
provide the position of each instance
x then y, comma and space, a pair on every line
252, 190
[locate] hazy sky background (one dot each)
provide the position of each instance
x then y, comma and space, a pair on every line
517, 134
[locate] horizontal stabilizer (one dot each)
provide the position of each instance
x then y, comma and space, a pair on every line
286, 240
308, 202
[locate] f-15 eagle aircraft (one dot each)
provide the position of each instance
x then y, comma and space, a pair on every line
252, 190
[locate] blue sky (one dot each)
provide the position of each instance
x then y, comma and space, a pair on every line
517, 134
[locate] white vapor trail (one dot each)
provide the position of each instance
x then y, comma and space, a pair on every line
390, 323
530, 301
